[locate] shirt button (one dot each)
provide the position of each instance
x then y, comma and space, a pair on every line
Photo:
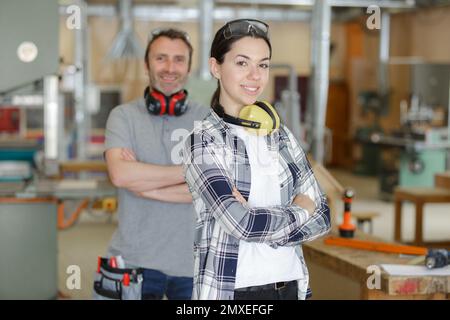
281, 185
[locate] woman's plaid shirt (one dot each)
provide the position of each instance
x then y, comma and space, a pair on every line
214, 161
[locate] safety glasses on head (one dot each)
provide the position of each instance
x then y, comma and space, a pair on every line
245, 27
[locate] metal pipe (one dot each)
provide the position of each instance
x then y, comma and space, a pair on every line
125, 8
280, 2
406, 4
125, 44
62, 146
206, 27
321, 50
295, 103
177, 14
332, 3
293, 118
383, 80
51, 111
82, 121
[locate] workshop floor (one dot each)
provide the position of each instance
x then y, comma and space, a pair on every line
81, 244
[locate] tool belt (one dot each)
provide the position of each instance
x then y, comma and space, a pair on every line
112, 283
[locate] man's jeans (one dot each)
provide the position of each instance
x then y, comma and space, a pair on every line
157, 284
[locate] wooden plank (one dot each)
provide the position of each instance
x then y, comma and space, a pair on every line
442, 180
424, 194
77, 166
332, 188
26, 200
375, 246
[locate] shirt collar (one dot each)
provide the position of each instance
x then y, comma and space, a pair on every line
219, 123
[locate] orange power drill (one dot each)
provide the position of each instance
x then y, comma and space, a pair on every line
347, 228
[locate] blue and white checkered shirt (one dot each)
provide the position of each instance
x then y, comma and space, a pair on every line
214, 161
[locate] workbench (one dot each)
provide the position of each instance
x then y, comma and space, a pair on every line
341, 273
419, 197
442, 180
440, 193
29, 221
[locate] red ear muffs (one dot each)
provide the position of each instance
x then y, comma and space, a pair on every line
177, 102
158, 104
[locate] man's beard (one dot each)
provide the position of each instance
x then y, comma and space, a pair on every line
169, 89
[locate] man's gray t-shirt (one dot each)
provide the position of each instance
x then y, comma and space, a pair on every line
153, 234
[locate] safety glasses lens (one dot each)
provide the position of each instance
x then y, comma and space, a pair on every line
244, 27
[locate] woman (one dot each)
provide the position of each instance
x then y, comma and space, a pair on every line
255, 196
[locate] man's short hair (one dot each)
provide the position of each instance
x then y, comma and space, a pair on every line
170, 33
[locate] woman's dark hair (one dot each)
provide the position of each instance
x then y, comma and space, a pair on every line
224, 39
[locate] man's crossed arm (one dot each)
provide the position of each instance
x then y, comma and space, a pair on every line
157, 182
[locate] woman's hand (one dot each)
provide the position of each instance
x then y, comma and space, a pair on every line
305, 202
238, 196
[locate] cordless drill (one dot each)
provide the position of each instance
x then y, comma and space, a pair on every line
347, 229
437, 258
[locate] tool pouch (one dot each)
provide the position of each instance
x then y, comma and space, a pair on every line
117, 284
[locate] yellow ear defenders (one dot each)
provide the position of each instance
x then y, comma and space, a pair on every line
260, 118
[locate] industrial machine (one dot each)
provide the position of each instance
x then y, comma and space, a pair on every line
425, 122
371, 103
32, 196
419, 147
28, 234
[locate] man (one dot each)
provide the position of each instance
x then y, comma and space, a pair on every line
156, 217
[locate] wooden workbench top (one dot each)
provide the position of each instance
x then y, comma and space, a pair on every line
353, 263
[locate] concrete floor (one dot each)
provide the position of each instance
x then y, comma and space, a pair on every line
81, 244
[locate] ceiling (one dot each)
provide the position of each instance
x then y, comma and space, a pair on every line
153, 2
194, 3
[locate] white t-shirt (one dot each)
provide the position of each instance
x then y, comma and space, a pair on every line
258, 263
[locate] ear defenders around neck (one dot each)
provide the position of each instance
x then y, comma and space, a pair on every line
159, 104
259, 118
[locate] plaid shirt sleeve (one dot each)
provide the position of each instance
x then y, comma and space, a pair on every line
319, 222
209, 181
